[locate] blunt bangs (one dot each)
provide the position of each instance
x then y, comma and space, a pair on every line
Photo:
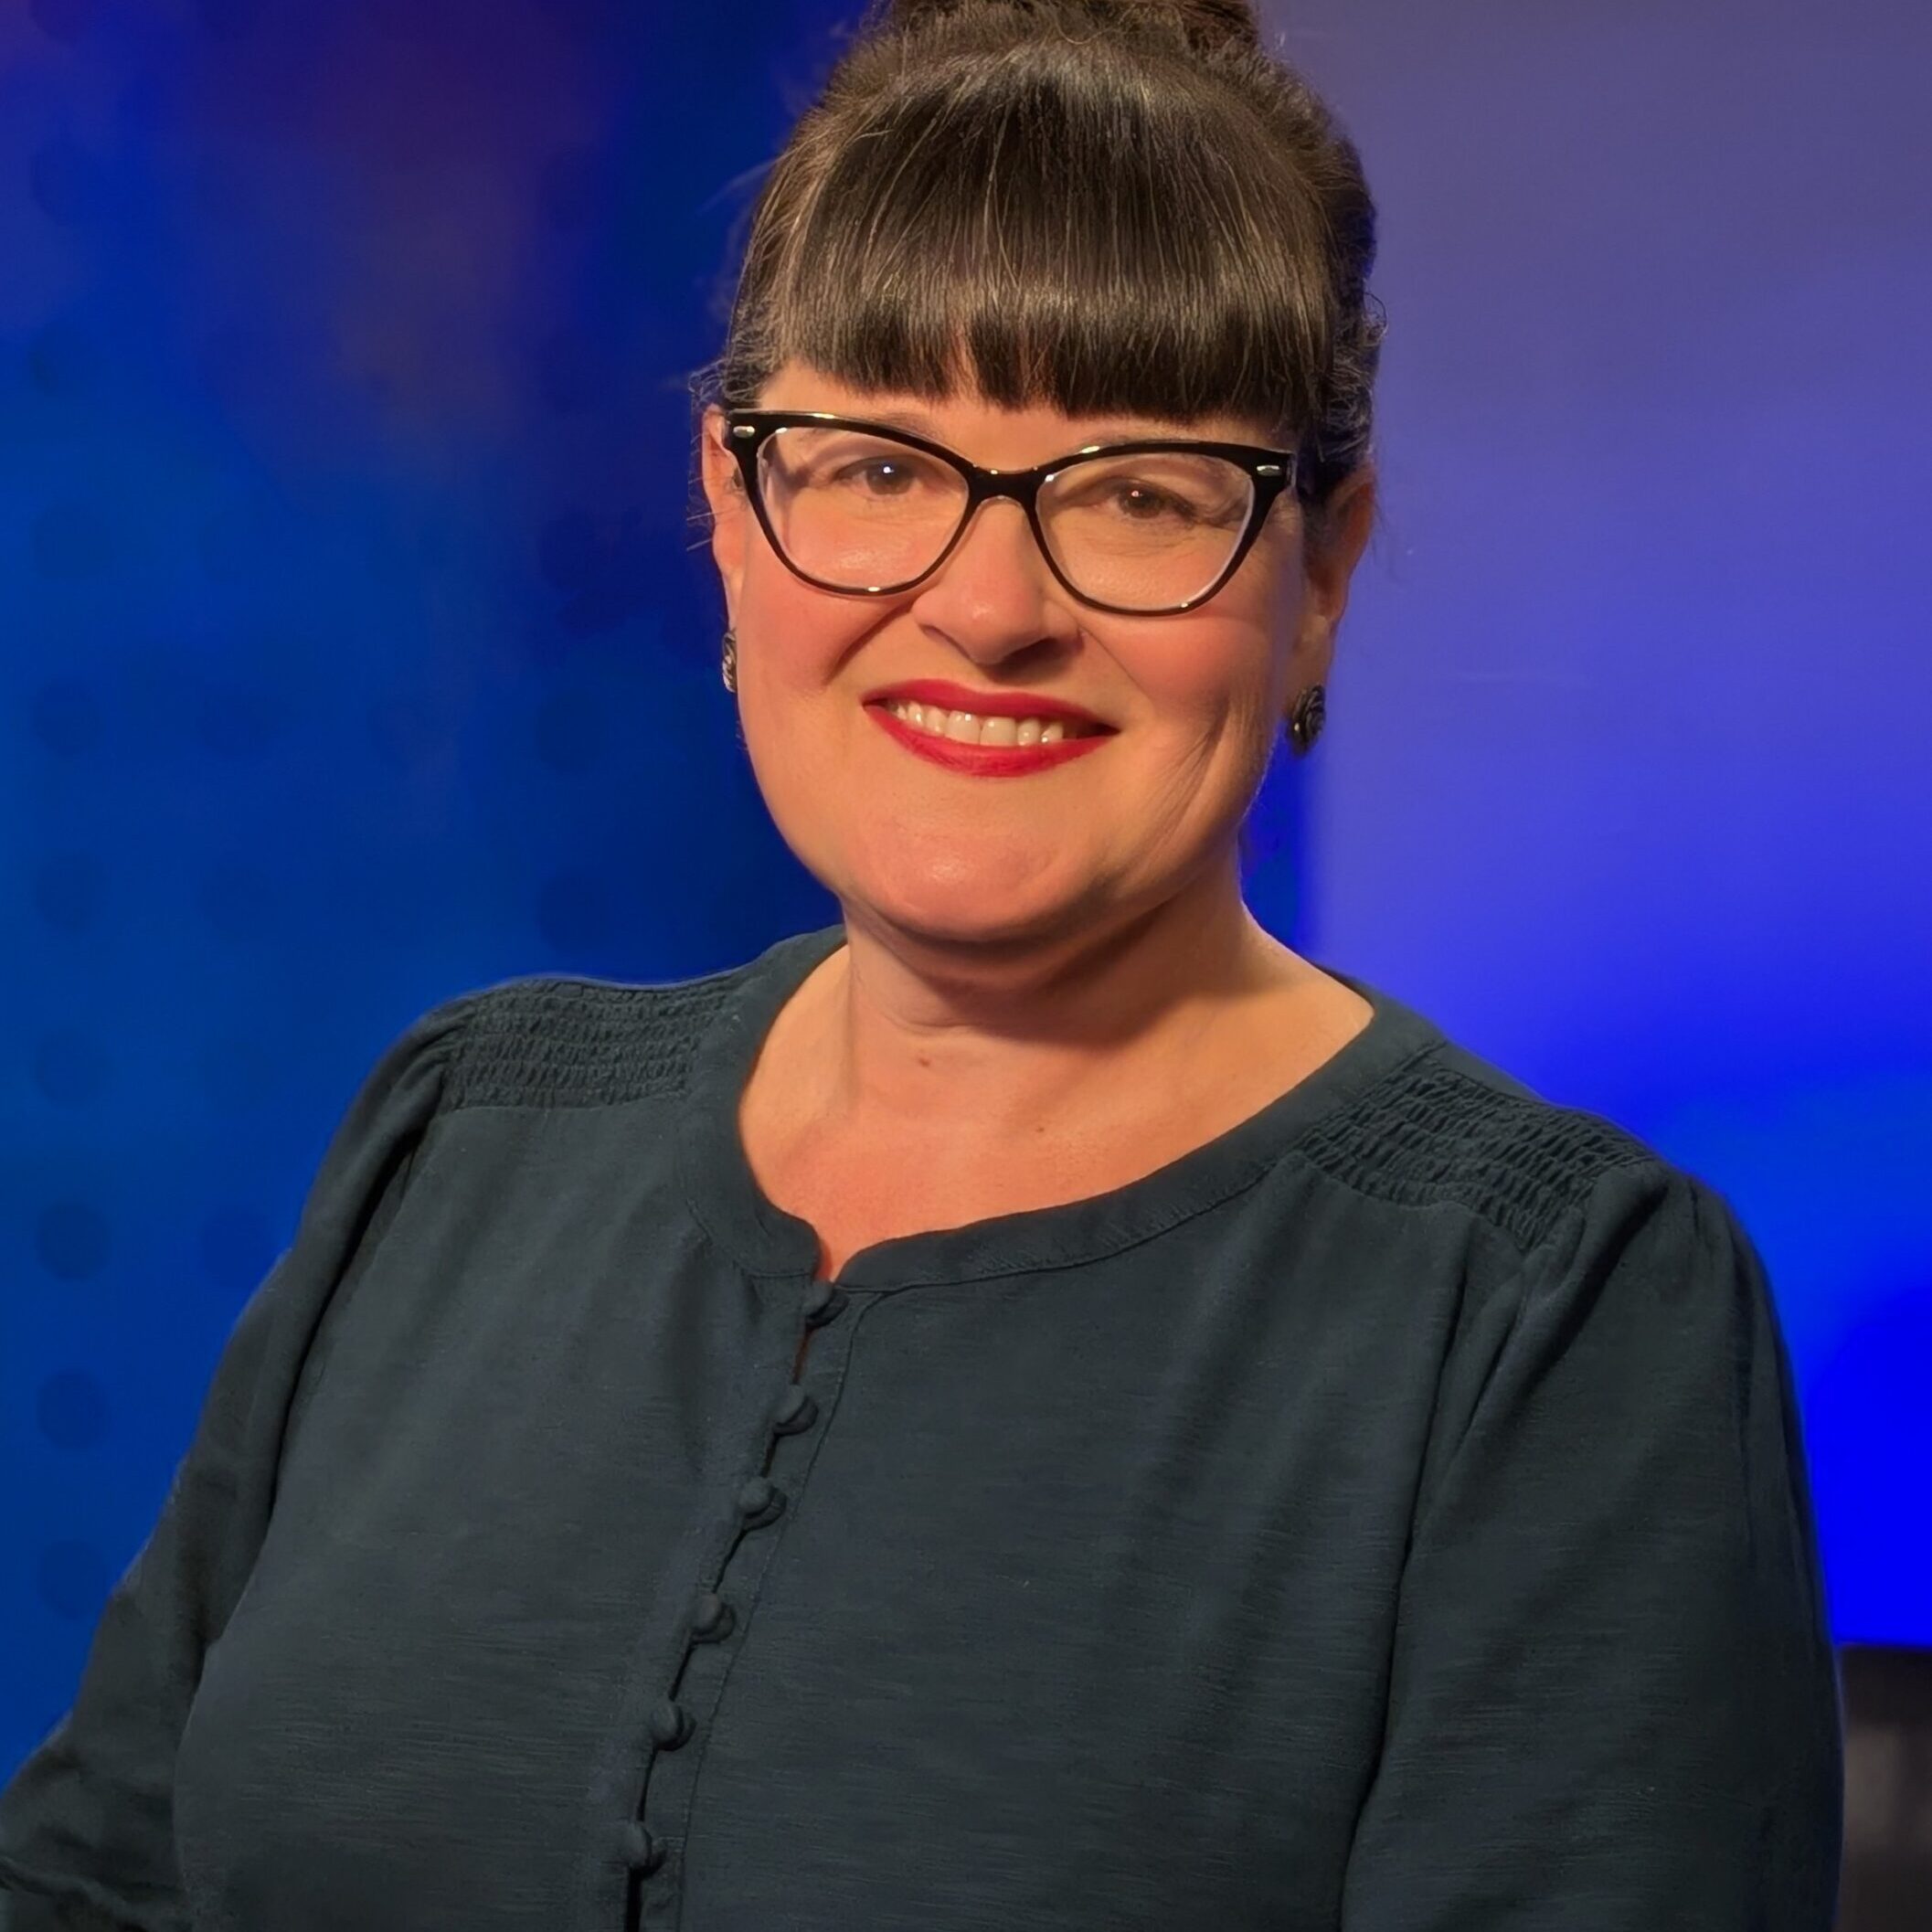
1053, 227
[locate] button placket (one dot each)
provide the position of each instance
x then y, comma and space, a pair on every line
760, 1502
640, 1850
824, 1301
671, 1724
719, 1618
795, 1413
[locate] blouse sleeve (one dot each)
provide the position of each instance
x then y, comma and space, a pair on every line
1614, 1701
86, 1821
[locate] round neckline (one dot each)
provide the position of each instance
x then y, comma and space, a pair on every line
725, 1197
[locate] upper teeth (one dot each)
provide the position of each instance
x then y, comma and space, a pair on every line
968, 727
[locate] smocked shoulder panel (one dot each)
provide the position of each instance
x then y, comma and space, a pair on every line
552, 1040
1431, 1132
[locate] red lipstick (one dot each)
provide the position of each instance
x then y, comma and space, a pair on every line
985, 760
985, 704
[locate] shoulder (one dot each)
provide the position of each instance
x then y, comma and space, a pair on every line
1570, 1238
561, 1040
1590, 1282
540, 1042
1447, 1129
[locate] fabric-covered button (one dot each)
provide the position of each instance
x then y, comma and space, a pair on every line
711, 1618
760, 1501
638, 1848
671, 1724
823, 1303
796, 1410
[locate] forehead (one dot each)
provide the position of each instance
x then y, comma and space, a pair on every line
967, 421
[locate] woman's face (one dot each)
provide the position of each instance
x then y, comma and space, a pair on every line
1196, 699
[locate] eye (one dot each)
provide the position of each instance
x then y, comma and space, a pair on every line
1130, 499
1175, 492
1140, 504
879, 475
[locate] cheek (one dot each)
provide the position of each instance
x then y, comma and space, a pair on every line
800, 636
1213, 671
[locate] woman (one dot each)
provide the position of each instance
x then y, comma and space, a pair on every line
1034, 1406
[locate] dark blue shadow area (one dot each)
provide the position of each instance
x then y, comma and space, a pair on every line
357, 644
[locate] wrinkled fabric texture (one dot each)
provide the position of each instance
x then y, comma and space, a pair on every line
1391, 1516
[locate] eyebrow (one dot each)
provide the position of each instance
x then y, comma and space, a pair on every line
921, 424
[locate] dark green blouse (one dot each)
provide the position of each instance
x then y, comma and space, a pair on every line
1389, 1516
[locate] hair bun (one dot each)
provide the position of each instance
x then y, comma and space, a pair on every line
1205, 25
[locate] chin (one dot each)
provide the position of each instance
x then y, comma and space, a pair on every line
942, 910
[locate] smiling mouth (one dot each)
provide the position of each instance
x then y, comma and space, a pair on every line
968, 727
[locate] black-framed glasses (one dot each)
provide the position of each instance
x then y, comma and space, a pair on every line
1145, 529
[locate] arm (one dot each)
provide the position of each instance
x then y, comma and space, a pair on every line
1613, 1704
87, 1822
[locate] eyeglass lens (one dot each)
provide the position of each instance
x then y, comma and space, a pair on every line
864, 511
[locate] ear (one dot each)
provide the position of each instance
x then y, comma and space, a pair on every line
730, 512
1329, 565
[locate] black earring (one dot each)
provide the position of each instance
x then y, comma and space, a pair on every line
1305, 721
728, 669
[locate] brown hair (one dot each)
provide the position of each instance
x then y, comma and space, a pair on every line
1102, 205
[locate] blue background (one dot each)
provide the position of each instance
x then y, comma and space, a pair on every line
358, 645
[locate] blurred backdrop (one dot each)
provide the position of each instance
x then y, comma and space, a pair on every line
358, 645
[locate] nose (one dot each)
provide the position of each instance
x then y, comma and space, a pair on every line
996, 593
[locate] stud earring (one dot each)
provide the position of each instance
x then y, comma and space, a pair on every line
1305, 721
728, 669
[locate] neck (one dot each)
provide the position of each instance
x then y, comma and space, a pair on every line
1000, 1038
